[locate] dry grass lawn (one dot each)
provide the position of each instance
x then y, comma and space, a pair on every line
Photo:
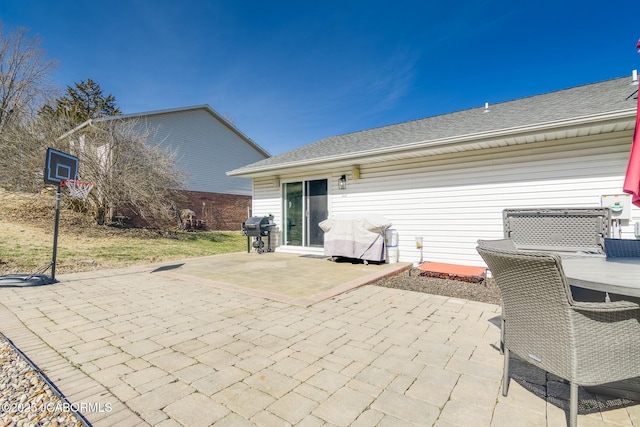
26, 239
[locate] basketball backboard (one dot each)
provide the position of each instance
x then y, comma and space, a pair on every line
59, 166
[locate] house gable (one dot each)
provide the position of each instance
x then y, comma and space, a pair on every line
205, 149
206, 145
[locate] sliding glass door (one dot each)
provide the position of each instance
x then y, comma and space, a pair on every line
305, 205
317, 211
293, 213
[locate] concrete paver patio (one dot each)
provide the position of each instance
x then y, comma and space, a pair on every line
286, 277
165, 347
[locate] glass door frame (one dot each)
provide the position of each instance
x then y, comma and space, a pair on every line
293, 213
301, 236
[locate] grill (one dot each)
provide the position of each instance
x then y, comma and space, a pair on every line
255, 228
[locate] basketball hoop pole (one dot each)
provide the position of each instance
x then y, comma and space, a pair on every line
55, 234
58, 168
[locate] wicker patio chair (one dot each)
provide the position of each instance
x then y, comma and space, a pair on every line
586, 343
507, 245
504, 244
622, 248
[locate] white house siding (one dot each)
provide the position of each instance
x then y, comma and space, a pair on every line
453, 200
268, 203
206, 149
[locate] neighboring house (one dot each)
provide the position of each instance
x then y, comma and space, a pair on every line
448, 178
207, 145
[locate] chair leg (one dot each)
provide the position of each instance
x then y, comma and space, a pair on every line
502, 333
573, 405
505, 373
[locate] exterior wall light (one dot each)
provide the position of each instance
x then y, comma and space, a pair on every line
342, 182
356, 172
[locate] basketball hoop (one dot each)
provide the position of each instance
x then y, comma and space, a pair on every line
77, 189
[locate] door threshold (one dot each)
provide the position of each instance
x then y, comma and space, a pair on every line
300, 250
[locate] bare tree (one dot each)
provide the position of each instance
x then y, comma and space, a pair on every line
24, 71
24, 86
129, 173
22, 151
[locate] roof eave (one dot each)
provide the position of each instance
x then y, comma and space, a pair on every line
248, 172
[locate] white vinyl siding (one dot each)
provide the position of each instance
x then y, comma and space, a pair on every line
206, 149
269, 203
453, 200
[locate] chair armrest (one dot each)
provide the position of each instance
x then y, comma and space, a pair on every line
603, 307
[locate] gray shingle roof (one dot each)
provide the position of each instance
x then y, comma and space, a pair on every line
582, 101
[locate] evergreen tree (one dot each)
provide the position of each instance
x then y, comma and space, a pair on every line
82, 102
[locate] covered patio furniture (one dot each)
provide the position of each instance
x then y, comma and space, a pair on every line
585, 343
358, 236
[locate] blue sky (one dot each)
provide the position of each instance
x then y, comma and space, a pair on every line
288, 73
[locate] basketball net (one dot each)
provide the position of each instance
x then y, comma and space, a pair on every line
78, 189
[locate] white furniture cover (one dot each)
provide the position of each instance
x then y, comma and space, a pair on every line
358, 236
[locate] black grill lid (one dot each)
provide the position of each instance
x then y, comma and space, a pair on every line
258, 225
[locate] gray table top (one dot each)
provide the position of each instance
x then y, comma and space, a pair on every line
618, 276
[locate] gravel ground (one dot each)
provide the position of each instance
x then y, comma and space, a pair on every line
469, 288
25, 398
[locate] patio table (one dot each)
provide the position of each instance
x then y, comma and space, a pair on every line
617, 276
620, 276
